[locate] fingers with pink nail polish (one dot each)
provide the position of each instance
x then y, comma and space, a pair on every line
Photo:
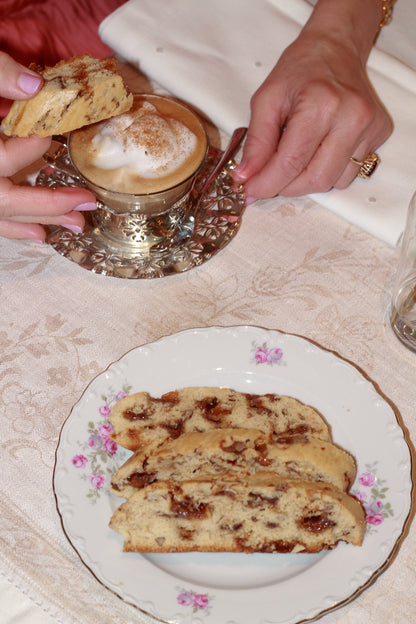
239, 173
29, 83
75, 228
16, 81
24, 206
25, 210
86, 207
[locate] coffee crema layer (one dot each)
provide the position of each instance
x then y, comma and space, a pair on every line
155, 146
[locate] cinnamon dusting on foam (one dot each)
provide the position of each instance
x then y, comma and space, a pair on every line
154, 146
144, 140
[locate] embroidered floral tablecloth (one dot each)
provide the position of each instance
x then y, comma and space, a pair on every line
293, 266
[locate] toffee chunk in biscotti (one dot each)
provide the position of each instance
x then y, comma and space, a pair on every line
76, 92
241, 451
142, 420
265, 513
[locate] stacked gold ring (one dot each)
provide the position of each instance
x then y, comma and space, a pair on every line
368, 165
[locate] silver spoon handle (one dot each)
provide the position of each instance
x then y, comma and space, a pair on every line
235, 141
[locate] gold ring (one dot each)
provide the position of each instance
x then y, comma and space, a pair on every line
367, 166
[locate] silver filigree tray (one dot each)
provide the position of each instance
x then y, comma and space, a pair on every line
218, 220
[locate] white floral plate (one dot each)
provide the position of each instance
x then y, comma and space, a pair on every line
212, 588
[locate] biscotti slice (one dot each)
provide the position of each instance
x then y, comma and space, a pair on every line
265, 513
139, 419
76, 92
243, 451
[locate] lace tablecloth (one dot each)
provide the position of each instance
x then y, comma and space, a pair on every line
293, 266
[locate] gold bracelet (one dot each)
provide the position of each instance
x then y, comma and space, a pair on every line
386, 12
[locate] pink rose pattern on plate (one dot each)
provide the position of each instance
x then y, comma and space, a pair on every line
267, 355
198, 602
372, 493
97, 461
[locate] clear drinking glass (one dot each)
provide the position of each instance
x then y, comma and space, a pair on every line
403, 312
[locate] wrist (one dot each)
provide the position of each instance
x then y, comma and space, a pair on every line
353, 22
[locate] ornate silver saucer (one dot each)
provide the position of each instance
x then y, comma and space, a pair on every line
103, 247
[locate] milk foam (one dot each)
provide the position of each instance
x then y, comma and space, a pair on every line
150, 144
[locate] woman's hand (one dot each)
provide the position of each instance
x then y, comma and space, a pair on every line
23, 209
315, 110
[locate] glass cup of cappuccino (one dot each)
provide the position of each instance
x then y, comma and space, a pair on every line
141, 166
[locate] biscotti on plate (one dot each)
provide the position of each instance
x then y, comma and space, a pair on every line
241, 451
215, 470
76, 92
141, 420
263, 513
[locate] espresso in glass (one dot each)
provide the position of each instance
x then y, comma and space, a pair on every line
141, 166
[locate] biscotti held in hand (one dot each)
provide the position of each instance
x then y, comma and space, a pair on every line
75, 93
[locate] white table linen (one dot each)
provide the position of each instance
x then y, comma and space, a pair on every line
18, 608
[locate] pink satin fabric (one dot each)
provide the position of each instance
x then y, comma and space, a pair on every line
45, 31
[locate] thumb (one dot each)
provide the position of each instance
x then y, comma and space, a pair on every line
16, 81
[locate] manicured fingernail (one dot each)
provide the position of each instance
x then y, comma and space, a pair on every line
39, 241
86, 206
250, 200
239, 170
29, 83
74, 228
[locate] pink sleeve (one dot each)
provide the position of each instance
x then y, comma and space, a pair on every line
45, 31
